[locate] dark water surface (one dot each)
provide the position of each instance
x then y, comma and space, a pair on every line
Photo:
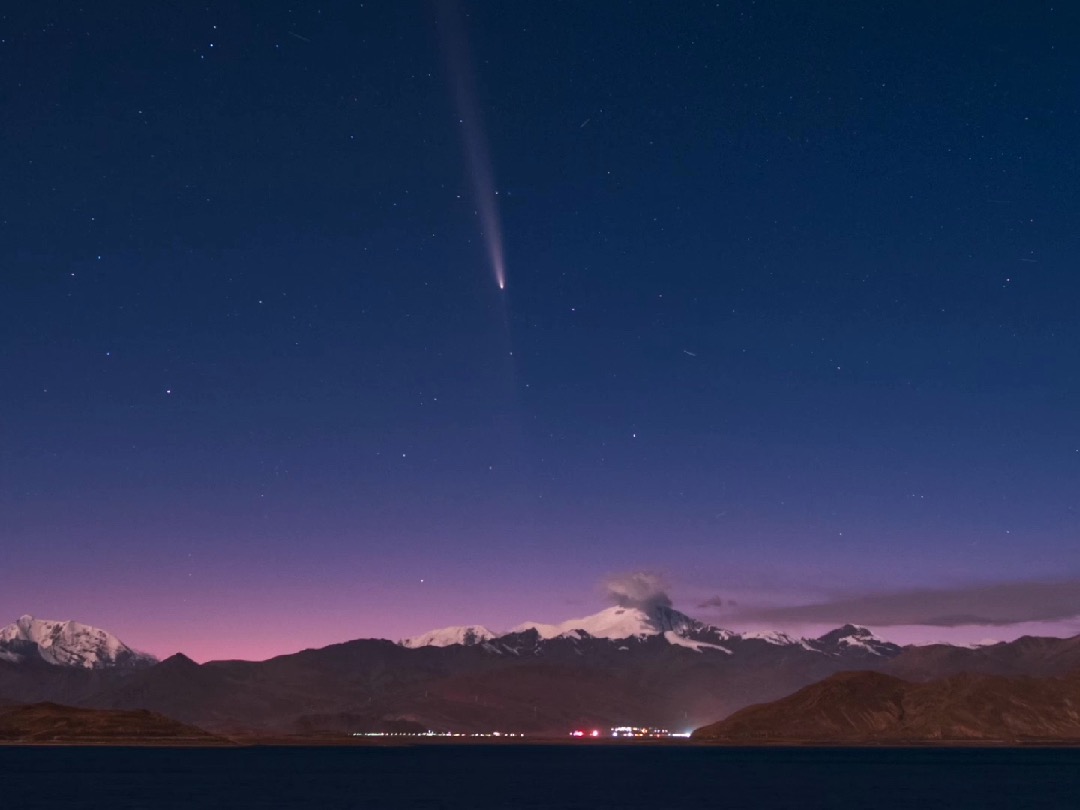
537, 777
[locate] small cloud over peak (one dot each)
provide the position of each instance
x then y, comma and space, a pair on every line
639, 589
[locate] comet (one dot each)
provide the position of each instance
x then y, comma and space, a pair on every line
473, 140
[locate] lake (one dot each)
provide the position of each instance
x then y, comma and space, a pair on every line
537, 776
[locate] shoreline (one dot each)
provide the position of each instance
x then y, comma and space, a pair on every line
285, 741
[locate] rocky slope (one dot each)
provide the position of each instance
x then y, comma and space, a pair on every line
869, 707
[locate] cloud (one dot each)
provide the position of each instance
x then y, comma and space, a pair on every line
717, 602
998, 604
640, 589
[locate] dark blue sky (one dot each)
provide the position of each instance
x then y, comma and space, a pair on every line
791, 310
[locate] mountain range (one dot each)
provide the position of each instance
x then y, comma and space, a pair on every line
629, 665
619, 623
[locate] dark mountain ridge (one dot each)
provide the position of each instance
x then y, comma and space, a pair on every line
545, 680
517, 682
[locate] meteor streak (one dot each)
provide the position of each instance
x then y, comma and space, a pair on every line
455, 46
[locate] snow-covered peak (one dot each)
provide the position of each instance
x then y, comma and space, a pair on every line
610, 623
850, 633
852, 638
772, 637
68, 644
614, 623
617, 623
468, 636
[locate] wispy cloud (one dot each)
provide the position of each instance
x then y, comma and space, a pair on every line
717, 602
997, 604
640, 589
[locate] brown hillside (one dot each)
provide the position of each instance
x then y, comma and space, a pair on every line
52, 723
864, 707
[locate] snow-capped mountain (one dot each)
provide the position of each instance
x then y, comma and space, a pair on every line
850, 638
67, 644
612, 623
625, 623
620, 622
447, 636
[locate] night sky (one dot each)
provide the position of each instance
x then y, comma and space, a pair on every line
790, 312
